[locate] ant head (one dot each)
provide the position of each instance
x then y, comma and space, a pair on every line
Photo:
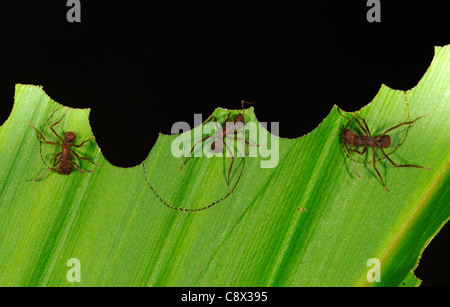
385, 141
69, 137
239, 118
348, 137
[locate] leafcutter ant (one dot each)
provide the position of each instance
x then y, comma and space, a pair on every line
350, 138
65, 161
221, 136
225, 132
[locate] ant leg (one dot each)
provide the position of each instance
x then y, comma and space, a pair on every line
210, 119
42, 136
228, 116
351, 158
361, 126
348, 123
238, 130
405, 123
89, 139
375, 167
406, 165
231, 166
192, 149
246, 142
48, 169
54, 160
54, 124
78, 167
365, 124
359, 152
241, 139
215, 121
83, 158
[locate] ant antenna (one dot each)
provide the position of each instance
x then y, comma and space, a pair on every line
247, 102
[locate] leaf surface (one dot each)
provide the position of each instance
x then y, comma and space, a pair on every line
309, 221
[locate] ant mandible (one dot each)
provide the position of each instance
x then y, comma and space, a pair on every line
350, 138
65, 156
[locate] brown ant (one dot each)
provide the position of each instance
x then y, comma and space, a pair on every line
65, 156
226, 131
216, 146
350, 138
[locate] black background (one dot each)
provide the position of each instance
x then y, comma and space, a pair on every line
141, 67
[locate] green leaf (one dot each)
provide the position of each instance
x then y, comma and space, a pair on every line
309, 221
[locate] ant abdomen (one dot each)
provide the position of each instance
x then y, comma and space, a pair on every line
64, 169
